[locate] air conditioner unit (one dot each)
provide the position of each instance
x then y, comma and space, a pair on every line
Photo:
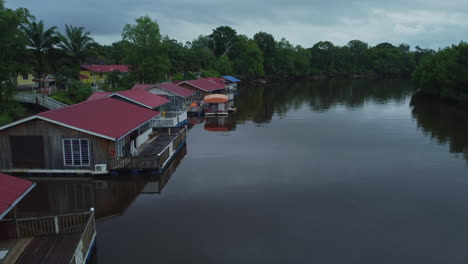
100, 168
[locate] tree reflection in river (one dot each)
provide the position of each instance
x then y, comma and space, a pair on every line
444, 123
260, 103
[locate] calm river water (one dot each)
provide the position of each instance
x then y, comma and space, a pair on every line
307, 172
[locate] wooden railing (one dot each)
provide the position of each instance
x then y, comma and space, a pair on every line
51, 225
165, 155
148, 162
40, 99
170, 119
86, 241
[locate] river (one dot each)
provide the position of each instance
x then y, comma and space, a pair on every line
306, 172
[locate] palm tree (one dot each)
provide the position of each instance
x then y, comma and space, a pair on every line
41, 42
76, 43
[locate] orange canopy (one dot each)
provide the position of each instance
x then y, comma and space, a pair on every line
216, 98
193, 104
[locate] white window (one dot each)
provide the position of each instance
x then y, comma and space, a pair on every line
197, 94
76, 152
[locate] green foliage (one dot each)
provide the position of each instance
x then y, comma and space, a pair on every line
11, 111
77, 92
62, 96
249, 62
76, 44
223, 40
445, 73
41, 44
145, 52
14, 57
209, 73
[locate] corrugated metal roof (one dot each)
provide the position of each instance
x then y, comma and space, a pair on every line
231, 78
175, 89
206, 84
144, 97
108, 117
106, 68
12, 190
99, 95
142, 86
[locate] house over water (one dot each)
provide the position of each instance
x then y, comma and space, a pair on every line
179, 96
204, 87
109, 133
231, 81
45, 239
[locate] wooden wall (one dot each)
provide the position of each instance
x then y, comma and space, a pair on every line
52, 135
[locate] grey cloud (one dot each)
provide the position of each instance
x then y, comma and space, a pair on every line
428, 23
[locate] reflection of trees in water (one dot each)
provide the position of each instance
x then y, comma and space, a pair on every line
260, 103
445, 123
110, 196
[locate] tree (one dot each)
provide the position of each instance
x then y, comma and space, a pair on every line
14, 56
249, 63
77, 44
266, 43
144, 51
222, 40
41, 42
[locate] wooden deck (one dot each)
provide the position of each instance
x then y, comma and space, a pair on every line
152, 155
53, 239
50, 249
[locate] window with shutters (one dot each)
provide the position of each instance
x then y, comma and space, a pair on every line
76, 152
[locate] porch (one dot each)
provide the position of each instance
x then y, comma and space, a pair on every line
153, 154
53, 239
170, 119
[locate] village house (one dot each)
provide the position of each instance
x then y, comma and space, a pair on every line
95, 136
96, 75
26, 81
66, 238
179, 96
168, 118
205, 86
231, 82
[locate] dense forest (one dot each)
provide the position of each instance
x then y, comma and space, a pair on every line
28, 46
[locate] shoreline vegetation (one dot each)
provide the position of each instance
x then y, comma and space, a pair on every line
29, 47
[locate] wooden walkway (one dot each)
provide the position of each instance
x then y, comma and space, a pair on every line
50, 249
156, 145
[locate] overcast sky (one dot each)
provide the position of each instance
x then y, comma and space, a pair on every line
427, 23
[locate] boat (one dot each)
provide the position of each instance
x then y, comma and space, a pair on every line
216, 104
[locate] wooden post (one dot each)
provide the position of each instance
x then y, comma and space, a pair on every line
57, 231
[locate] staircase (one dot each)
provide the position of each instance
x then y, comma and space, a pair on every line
39, 99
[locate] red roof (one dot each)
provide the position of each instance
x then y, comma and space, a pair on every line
99, 95
175, 89
143, 97
12, 190
109, 118
142, 86
83, 77
106, 68
206, 84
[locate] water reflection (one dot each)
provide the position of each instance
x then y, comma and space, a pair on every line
260, 103
220, 124
442, 122
109, 196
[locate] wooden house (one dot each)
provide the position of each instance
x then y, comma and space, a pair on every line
96, 75
205, 86
90, 137
231, 82
46, 239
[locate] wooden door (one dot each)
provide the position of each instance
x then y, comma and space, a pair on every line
27, 152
